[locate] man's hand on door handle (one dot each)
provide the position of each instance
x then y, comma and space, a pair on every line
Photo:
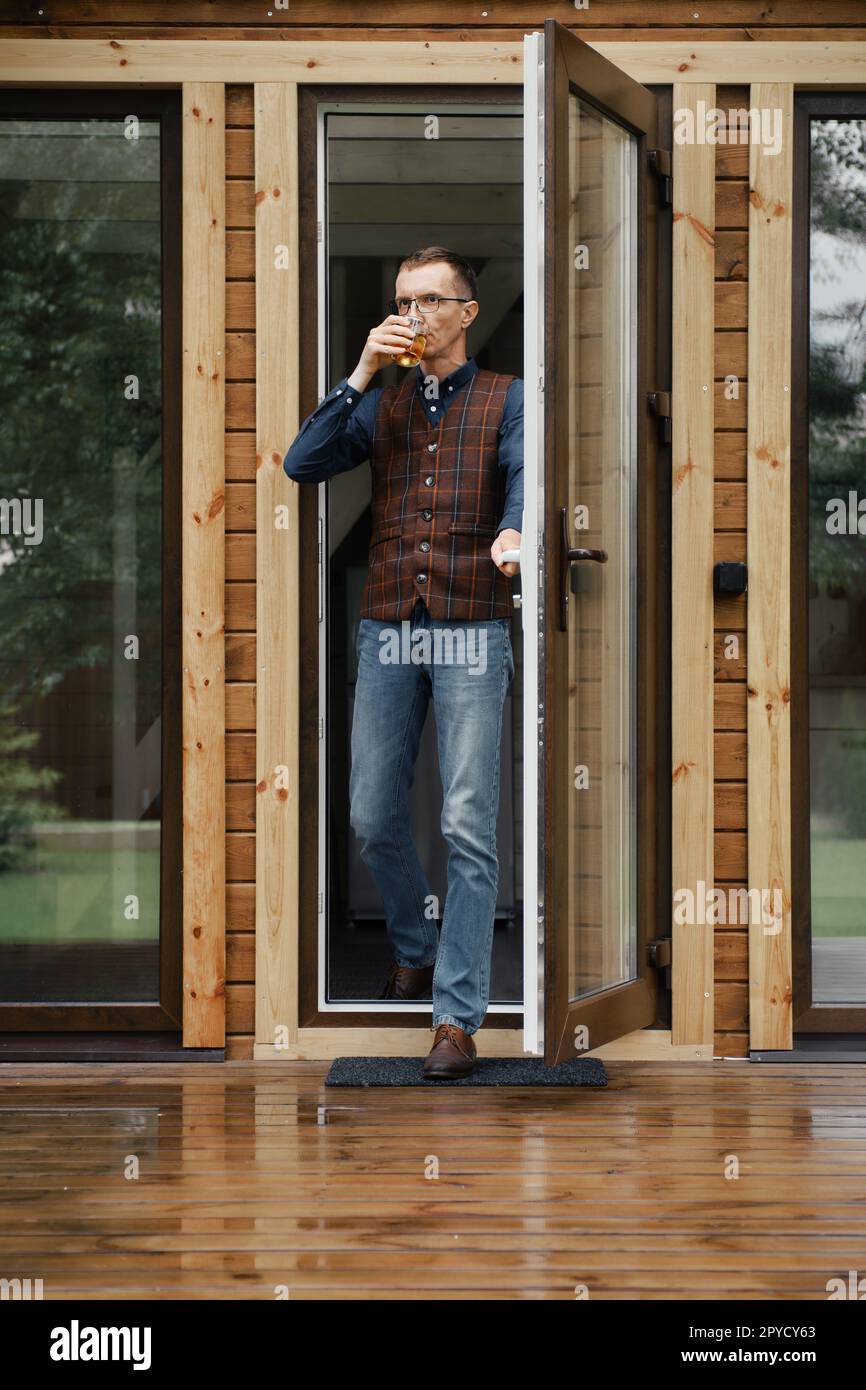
506, 540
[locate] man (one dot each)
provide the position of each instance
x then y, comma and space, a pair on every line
446, 454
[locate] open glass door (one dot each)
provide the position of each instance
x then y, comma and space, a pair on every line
591, 215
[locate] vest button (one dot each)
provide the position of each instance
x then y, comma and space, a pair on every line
427, 514
425, 545
422, 578
429, 480
431, 448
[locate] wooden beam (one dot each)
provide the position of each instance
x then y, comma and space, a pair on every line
309, 18
167, 62
203, 538
768, 551
692, 563
687, 62
161, 62
277, 565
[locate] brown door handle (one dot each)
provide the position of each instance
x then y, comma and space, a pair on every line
567, 555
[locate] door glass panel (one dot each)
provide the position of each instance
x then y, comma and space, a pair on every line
80, 560
601, 300
837, 560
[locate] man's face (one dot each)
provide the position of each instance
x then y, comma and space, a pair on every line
446, 326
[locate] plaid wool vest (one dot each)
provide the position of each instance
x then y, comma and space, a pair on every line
438, 497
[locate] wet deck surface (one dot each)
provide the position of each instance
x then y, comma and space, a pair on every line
250, 1179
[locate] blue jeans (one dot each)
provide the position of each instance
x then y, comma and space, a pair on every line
466, 667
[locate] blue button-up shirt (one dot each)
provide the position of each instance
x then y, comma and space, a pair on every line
338, 435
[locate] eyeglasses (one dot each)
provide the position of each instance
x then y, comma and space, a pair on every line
426, 303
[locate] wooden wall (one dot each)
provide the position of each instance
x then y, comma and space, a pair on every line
352, 19
464, 19
730, 843
240, 572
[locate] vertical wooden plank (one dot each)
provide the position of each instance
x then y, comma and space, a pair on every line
692, 563
203, 564
277, 566
769, 561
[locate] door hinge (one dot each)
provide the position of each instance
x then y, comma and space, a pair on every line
659, 952
659, 403
318, 231
660, 164
321, 902
321, 726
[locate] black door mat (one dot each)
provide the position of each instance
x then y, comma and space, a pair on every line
490, 1071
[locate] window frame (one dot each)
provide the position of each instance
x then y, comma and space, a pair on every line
147, 1020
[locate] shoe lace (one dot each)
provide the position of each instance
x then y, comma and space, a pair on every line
450, 1032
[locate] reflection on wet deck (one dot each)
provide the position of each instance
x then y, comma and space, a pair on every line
251, 1180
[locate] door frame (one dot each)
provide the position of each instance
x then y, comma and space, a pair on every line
654, 881
314, 640
314, 1033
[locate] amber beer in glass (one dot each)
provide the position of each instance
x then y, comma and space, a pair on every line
413, 354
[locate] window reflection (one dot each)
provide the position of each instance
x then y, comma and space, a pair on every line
80, 592
837, 558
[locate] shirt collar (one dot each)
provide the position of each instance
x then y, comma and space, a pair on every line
454, 380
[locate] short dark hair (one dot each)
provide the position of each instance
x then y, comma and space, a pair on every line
463, 271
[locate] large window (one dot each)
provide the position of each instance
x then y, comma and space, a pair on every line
89, 566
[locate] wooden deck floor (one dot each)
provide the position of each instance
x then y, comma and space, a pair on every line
253, 1176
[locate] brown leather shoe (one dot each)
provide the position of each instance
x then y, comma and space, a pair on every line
408, 982
453, 1053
